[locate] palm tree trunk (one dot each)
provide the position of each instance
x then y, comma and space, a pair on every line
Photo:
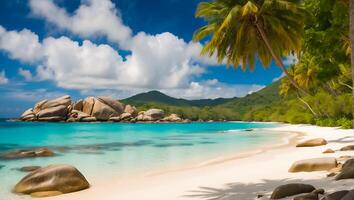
351, 35
278, 60
307, 105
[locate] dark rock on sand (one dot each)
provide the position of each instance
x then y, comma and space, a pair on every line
347, 170
291, 189
2, 166
29, 153
314, 164
329, 151
335, 195
312, 143
52, 180
347, 148
349, 195
310, 196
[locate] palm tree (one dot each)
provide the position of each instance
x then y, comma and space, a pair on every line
351, 35
243, 30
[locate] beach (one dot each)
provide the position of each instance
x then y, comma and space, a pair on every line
243, 177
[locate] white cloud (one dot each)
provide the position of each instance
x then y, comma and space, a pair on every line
34, 95
26, 74
290, 60
23, 45
162, 61
213, 89
92, 18
3, 79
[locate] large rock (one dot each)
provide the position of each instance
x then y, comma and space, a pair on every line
89, 119
172, 118
155, 114
30, 153
335, 195
61, 101
76, 116
312, 143
38, 106
53, 179
347, 170
116, 105
28, 115
291, 189
103, 112
310, 196
102, 108
78, 105
314, 164
52, 119
126, 117
88, 104
131, 109
60, 111
347, 148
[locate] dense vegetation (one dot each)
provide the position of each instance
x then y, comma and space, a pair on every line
323, 69
322, 92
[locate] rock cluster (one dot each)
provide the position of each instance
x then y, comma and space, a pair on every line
92, 109
27, 153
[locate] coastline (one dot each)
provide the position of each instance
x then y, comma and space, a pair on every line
242, 177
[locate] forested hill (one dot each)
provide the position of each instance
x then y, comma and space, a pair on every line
161, 98
207, 109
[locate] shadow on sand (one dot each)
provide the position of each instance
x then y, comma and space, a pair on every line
241, 191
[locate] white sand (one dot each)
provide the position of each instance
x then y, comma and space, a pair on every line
232, 179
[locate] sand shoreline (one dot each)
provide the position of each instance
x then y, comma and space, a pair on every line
232, 178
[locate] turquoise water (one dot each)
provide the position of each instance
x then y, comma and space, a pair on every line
104, 150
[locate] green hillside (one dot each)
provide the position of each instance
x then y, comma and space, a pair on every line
161, 98
206, 109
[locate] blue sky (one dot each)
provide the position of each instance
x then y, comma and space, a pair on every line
117, 48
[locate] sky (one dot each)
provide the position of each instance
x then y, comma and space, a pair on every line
50, 48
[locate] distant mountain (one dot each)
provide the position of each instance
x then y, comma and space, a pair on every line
157, 97
208, 109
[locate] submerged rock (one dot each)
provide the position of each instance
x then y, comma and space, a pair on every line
291, 190
40, 152
28, 168
314, 164
312, 143
52, 180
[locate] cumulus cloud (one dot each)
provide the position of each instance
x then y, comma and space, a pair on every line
162, 61
26, 74
92, 18
3, 79
23, 45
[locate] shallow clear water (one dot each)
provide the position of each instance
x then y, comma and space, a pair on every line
102, 150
